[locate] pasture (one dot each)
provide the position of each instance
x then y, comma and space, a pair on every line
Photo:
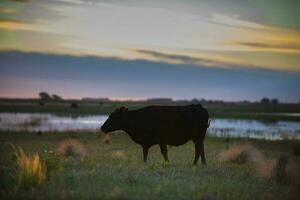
115, 170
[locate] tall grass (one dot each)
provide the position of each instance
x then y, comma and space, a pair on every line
30, 170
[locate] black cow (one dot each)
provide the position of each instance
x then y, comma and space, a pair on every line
162, 125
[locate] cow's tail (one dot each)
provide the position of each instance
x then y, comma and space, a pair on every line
208, 123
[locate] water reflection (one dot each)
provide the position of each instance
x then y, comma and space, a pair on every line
49, 122
255, 129
219, 127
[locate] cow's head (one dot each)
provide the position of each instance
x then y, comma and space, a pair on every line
114, 121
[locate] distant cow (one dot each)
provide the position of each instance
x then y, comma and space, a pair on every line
162, 125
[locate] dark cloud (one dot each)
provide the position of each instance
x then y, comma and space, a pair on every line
294, 47
197, 61
203, 62
181, 58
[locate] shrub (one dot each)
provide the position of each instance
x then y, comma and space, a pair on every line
30, 170
238, 153
246, 153
71, 147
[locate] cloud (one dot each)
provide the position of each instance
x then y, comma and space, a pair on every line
20, 1
55, 2
184, 59
5, 20
8, 11
30, 13
236, 23
14, 25
275, 47
43, 1
27, 40
267, 60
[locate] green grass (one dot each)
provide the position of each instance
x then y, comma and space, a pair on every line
101, 175
216, 110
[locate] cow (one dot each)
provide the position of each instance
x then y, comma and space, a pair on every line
162, 125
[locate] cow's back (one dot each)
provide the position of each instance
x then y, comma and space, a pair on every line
173, 125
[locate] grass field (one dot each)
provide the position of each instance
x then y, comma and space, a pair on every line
116, 170
217, 110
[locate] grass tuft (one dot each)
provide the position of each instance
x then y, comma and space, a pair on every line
30, 170
237, 153
119, 154
71, 147
106, 139
248, 154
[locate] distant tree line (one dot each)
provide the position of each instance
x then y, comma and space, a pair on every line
266, 100
46, 96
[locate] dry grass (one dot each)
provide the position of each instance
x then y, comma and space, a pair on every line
265, 168
106, 139
247, 153
119, 154
30, 170
71, 147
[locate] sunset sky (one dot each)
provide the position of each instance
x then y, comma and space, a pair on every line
229, 49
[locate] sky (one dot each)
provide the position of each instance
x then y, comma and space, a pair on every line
135, 49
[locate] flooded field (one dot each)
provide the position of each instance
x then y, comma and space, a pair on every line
219, 127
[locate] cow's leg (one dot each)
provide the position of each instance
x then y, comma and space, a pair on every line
199, 149
197, 152
145, 153
164, 151
203, 160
